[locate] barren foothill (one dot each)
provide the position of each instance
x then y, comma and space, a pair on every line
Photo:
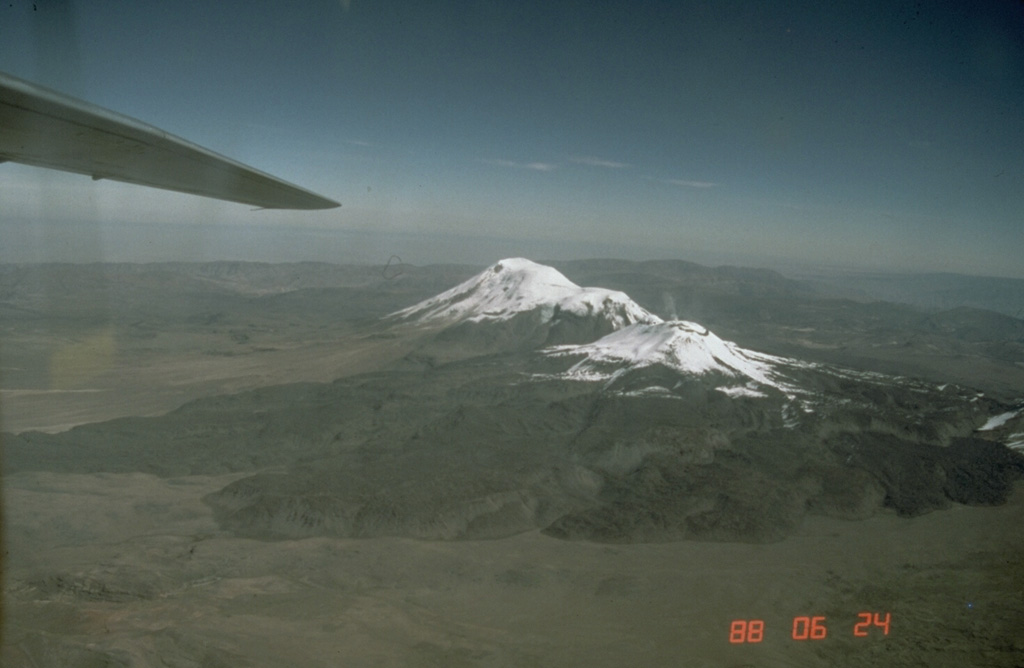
132, 570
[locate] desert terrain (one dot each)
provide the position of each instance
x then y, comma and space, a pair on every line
183, 444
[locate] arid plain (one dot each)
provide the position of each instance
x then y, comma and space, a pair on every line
106, 564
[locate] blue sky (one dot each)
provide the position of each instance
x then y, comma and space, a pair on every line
881, 135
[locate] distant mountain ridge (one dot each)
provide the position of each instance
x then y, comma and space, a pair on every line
931, 291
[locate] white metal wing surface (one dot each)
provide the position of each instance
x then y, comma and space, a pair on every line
45, 128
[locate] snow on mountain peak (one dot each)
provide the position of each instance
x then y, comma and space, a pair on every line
517, 285
684, 346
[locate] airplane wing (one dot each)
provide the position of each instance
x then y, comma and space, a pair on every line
44, 128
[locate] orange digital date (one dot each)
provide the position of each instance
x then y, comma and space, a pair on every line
807, 627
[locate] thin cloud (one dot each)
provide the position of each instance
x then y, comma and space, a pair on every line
591, 161
535, 166
690, 184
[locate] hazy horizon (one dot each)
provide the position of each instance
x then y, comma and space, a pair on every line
274, 245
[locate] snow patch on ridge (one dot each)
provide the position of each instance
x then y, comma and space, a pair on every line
997, 421
742, 391
517, 285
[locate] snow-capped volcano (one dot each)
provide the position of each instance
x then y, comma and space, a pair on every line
517, 285
685, 347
